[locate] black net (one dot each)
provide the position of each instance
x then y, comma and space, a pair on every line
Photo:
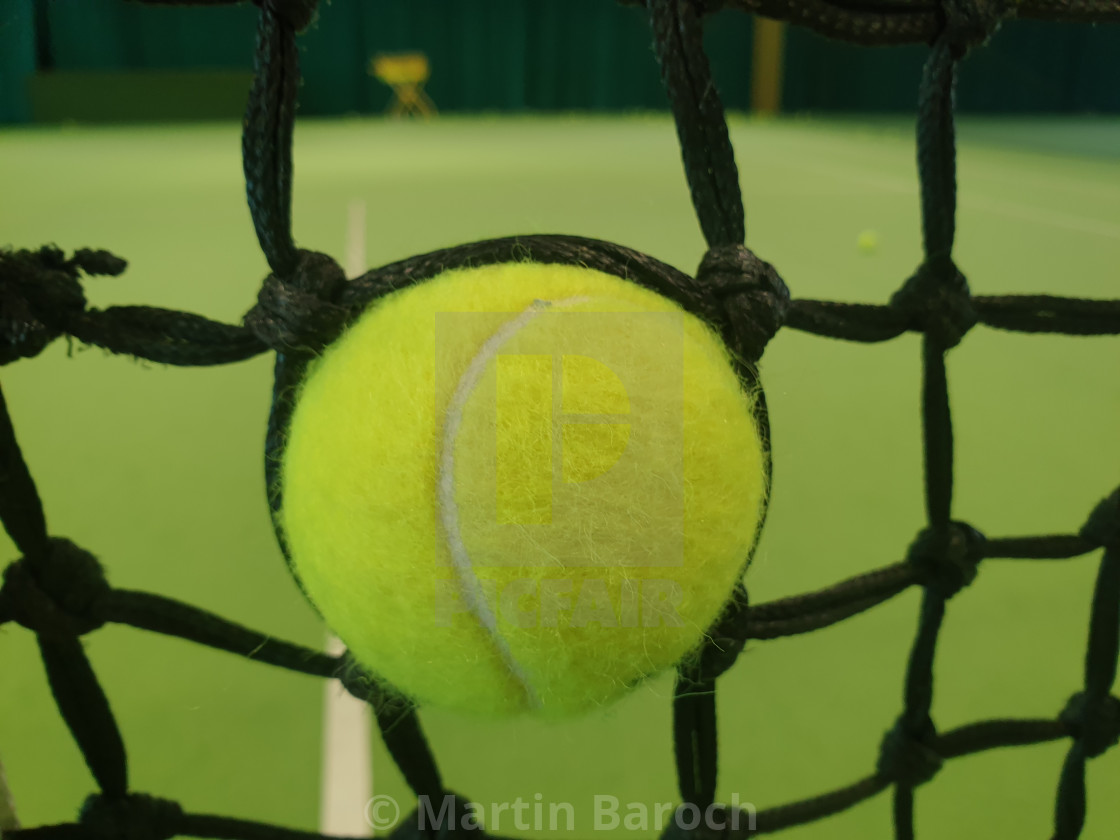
57, 590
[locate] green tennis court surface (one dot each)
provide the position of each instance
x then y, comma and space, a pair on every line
158, 470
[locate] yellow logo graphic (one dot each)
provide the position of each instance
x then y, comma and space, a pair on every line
568, 437
535, 395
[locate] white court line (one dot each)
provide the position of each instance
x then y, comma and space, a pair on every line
347, 775
968, 199
1047, 218
356, 238
347, 771
8, 821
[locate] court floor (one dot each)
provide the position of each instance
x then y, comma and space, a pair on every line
158, 471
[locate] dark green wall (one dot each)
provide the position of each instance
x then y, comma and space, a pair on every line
1026, 66
485, 54
116, 35
17, 58
536, 54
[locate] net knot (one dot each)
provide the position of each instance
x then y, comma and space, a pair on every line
909, 757
40, 293
301, 312
743, 296
725, 640
970, 23
297, 14
1094, 721
1103, 525
948, 560
59, 594
936, 300
365, 687
135, 816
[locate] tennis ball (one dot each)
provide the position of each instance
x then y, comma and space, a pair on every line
522, 487
867, 242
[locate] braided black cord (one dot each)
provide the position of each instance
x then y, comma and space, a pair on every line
690, 293
848, 321
880, 26
1058, 547
65, 595
902, 21
1069, 812
991, 734
162, 819
164, 336
228, 828
750, 301
887, 582
818, 807
21, 510
266, 144
296, 316
1088, 11
406, 742
965, 740
938, 437
709, 161
85, 709
818, 620
937, 152
813, 611
399, 723
598, 254
169, 617
862, 322
1049, 314
915, 729
1094, 713
287, 373
79, 697
42, 298
62, 831
695, 741
907, 755
870, 323
140, 817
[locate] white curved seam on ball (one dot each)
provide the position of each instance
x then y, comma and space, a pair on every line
469, 584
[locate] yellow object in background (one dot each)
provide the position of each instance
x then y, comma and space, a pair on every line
867, 242
406, 74
766, 66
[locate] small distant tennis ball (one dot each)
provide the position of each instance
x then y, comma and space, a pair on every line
868, 242
522, 487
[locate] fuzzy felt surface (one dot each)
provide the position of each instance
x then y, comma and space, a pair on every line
522, 487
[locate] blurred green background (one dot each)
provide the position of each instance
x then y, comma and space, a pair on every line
159, 470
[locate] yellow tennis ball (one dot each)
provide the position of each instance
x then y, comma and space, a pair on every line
522, 487
867, 242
